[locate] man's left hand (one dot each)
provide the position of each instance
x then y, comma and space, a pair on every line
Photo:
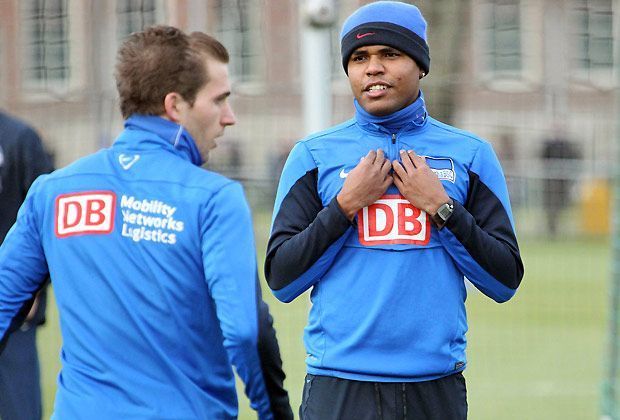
418, 183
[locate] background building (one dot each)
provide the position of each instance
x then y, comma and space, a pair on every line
519, 73
514, 71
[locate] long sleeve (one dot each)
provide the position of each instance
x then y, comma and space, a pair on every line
230, 270
306, 236
480, 235
33, 161
23, 269
271, 362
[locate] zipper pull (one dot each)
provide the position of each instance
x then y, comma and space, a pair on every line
393, 138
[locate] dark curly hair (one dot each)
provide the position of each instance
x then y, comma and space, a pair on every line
159, 60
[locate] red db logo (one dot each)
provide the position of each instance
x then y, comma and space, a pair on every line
90, 212
393, 220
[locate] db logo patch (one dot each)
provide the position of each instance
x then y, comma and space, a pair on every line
90, 212
393, 220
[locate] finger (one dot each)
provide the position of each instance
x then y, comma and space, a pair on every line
387, 166
386, 186
387, 182
417, 159
371, 156
398, 182
380, 157
366, 159
410, 154
407, 163
398, 169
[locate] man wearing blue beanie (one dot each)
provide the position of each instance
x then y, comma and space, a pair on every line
383, 217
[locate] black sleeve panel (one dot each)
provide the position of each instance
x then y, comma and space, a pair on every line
302, 231
485, 230
271, 362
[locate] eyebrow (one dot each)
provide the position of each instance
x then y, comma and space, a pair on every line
363, 51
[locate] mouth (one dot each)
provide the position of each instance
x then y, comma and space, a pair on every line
376, 89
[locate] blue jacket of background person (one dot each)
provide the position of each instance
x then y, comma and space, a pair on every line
388, 290
162, 295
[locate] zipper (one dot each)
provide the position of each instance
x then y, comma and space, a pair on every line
393, 148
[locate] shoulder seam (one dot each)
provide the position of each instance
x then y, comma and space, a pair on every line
316, 165
455, 130
335, 129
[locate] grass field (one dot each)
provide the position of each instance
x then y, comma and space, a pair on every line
539, 356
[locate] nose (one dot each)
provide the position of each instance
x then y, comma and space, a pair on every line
375, 66
228, 116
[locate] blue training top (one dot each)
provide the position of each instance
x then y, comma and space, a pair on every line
388, 290
153, 265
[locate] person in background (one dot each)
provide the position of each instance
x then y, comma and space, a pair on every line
559, 157
383, 217
22, 159
151, 257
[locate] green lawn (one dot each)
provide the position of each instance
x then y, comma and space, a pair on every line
539, 356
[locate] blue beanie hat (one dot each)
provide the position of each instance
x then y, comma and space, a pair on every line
398, 25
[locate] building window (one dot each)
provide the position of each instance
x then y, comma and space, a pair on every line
46, 42
503, 37
237, 30
592, 22
135, 15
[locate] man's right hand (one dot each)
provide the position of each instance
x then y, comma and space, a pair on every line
366, 183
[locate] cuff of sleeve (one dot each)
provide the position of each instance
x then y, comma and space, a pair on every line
457, 216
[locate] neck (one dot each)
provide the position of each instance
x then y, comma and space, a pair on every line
415, 113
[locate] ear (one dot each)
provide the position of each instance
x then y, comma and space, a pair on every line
174, 106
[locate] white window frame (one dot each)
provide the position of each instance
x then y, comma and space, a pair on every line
254, 81
73, 84
529, 77
588, 78
159, 18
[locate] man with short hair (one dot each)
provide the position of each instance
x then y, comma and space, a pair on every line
22, 159
151, 257
384, 216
